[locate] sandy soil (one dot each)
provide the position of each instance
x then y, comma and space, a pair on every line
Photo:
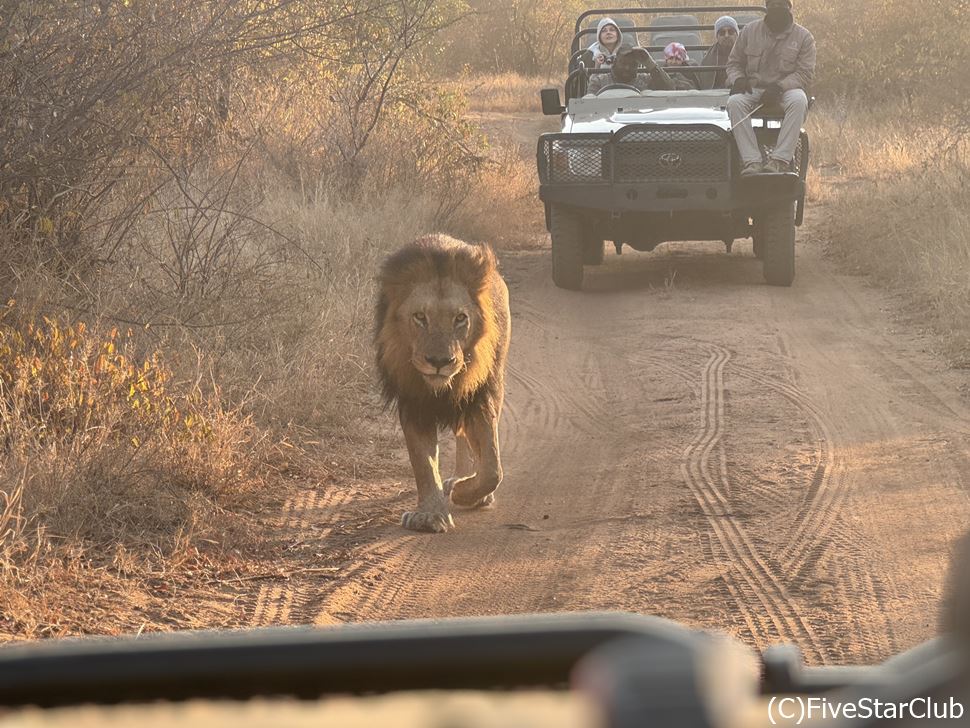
681, 440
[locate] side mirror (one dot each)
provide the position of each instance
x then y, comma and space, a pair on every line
551, 105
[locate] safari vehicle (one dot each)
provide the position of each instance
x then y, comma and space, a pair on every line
644, 168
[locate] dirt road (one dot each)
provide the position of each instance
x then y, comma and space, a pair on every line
680, 440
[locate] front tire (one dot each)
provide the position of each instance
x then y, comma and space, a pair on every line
777, 226
567, 248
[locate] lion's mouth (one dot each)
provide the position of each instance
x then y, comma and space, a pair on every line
438, 381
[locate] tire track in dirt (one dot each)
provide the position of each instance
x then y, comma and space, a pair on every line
821, 529
819, 526
291, 601
827, 488
586, 445
751, 578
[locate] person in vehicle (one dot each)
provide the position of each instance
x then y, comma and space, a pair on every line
772, 64
607, 45
726, 31
627, 70
676, 61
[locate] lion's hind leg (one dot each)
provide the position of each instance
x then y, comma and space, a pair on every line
481, 439
466, 468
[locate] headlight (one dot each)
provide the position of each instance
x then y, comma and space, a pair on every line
577, 161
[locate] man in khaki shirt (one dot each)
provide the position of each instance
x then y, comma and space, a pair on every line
773, 62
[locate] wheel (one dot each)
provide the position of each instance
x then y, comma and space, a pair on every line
592, 246
567, 248
778, 244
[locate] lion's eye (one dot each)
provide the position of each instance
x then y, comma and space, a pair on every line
461, 319
420, 319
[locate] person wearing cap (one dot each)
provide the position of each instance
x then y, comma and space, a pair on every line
608, 40
726, 32
772, 64
676, 61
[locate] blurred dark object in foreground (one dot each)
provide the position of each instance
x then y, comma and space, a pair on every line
625, 671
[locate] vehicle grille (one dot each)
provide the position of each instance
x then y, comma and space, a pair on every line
672, 155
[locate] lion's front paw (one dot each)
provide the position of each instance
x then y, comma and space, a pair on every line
427, 521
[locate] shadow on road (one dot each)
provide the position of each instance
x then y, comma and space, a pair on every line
675, 267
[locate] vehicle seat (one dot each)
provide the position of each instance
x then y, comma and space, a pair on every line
667, 20
688, 38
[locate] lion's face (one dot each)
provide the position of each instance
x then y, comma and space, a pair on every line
440, 317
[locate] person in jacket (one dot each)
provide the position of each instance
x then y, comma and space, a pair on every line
608, 40
726, 32
772, 63
627, 70
676, 62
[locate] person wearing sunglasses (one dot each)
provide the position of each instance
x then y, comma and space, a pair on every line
726, 31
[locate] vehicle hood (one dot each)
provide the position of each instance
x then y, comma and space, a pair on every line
618, 118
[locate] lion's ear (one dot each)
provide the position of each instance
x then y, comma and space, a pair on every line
476, 266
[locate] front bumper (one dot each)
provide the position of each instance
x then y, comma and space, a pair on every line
646, 168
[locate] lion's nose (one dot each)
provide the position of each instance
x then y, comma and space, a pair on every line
440, 361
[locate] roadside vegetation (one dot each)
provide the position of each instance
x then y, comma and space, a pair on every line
193, 202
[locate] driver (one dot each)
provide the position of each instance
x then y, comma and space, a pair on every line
625, 71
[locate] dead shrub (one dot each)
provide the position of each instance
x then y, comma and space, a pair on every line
101, 442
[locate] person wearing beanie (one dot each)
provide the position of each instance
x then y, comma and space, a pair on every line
726, 22
608, 39
772, 64
675, 61
726, 34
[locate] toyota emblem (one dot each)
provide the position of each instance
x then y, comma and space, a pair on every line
670, 160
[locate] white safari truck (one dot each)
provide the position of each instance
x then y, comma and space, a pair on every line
641, 168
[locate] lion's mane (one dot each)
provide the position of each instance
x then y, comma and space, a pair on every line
441, 258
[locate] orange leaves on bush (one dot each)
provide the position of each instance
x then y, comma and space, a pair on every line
69, 383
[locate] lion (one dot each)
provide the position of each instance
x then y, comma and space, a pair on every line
442, 331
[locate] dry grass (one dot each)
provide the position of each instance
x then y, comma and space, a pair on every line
503, 208
105, 450
897, 206
508, 92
